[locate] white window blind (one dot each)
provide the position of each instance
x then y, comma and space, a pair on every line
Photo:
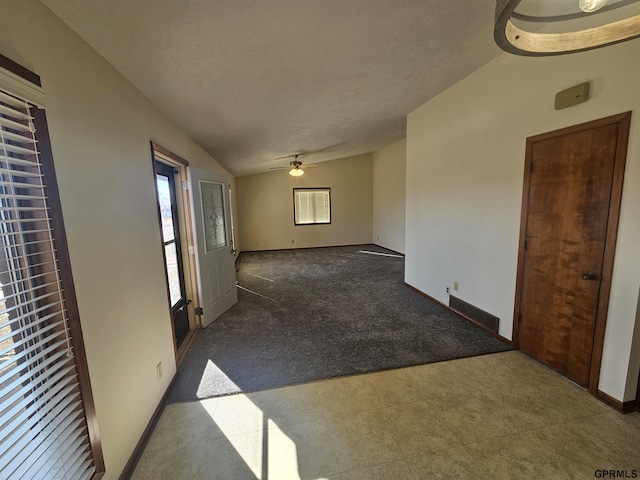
43, 428
312, 205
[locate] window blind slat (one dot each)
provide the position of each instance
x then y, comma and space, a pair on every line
5, 170
18, 184
11, 100
57, 453
80, 469
25, 226
22, 438
24, 292
77, 464
34, 351
43, 267
13, 112
18, 306
26, 440
83, 471
17, 295
71, 463
67, 437
23, 300
13, 125
19, 388
33, 197
33, 445
39, 333
12, 408
15, 237
14, 137
31, 350
7, 147
13, 161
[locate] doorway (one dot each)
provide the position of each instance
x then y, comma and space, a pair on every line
570, 209
171, 239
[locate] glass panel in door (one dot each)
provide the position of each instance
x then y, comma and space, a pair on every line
166, 188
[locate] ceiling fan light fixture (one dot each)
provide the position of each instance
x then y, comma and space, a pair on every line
520, 32
589, 6
296, 172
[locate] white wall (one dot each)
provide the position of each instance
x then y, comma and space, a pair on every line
465, 158
100, 128
265, 206
389, 192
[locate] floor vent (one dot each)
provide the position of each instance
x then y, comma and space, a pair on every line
474, 313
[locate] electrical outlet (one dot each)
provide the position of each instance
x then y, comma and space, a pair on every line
293, 241
455, 286
159, 371
448, 291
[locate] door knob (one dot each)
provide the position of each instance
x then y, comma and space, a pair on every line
589, 276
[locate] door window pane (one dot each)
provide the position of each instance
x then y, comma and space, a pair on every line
213, 215
166, 212
173, 274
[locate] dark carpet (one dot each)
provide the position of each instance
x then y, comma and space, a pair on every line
313, 314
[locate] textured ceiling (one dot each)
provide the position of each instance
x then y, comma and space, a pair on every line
252, 81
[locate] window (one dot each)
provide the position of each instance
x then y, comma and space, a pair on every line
47, 419
311, 205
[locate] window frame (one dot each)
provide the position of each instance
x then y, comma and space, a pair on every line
311, 189
57, 228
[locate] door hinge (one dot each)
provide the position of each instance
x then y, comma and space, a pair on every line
519, 318
186, 185
531, 167
192, 250
198, 311
525, 245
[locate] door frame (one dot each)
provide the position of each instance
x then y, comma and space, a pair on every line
623, 121
158, 152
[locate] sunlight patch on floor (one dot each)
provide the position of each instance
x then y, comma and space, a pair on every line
264, 447
254, 293
381, 254
211, 371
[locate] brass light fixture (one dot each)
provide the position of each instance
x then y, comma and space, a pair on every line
553, 27
296, 168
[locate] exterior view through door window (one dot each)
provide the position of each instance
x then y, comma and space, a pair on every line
311, 205
168, 237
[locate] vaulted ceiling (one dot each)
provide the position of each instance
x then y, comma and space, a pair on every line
254, 80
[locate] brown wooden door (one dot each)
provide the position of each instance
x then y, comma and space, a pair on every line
566, 226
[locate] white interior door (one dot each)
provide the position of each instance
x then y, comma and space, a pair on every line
215, 260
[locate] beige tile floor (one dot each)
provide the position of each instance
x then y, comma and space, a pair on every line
498, 416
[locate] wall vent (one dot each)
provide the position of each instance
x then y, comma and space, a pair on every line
474, 313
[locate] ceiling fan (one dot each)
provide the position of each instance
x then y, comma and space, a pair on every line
296, 168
